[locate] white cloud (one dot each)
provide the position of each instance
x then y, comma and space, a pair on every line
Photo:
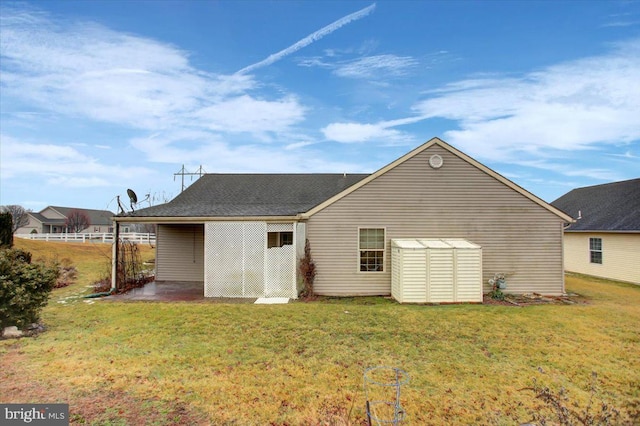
59, 164
247, 114
378, 66
598, 173
357, 132
570, 106
313, 37
87, 70
576, 105
217, 156
297, 145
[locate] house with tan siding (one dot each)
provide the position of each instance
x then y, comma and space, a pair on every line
242, 235
53, 220
604, 241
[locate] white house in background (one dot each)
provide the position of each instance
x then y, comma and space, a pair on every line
605, 239
242, 235
51, 220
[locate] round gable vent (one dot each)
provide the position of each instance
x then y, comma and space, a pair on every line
436, 161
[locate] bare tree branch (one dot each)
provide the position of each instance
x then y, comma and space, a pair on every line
77, 221
19, 215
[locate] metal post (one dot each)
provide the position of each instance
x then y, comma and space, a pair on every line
114, 256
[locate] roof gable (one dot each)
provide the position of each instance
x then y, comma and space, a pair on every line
96, 217
289, 195
461, 155
608, 207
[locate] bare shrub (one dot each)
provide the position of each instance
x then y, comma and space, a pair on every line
557, 408
130, 271
308, 271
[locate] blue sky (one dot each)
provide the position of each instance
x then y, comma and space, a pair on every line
100, 96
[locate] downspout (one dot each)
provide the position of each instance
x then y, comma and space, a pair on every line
562, 229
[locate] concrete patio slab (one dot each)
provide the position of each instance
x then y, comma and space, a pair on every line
272, 301
173, 291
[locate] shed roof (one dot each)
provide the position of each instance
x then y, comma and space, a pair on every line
244, 195
613, 207
433, 243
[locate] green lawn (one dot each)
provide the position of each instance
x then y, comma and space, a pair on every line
303, 363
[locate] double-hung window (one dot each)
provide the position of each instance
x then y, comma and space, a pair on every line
371, 245
595, 250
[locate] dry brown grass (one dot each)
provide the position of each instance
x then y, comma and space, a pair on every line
302, 363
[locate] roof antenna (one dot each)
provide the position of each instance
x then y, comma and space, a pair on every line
120, 205
183, 172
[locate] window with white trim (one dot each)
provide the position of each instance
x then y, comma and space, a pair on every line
371, 245
595, 250
279, 239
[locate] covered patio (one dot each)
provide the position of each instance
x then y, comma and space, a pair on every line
174, 291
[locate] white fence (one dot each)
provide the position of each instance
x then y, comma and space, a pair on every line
91, 237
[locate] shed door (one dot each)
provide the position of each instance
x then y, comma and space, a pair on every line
441, 276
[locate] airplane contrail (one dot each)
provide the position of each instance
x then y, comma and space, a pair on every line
309, 39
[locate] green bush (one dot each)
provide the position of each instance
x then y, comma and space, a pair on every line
24, 288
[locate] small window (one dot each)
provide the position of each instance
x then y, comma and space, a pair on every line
371, 248
279, 239
595, 250
286, 238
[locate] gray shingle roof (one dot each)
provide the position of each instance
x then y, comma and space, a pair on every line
234, 195
608, 207
43, 219
96, 217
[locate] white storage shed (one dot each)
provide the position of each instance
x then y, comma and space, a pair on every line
436, 270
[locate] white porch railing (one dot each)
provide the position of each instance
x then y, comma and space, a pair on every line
91, 237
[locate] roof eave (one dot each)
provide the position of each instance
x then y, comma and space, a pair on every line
202, 219
602, 231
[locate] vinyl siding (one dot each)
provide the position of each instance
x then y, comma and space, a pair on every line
50, 213
620, 255
33, 224
412, 200
180, 253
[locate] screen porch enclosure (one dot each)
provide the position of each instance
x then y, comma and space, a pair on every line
250, 259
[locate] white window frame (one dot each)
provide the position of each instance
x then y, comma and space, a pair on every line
280, 239
592, 251
384, 249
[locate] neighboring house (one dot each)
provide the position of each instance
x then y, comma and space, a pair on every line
242, 234
605, 239
51, 220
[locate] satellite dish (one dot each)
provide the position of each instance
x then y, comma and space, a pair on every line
132, 197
